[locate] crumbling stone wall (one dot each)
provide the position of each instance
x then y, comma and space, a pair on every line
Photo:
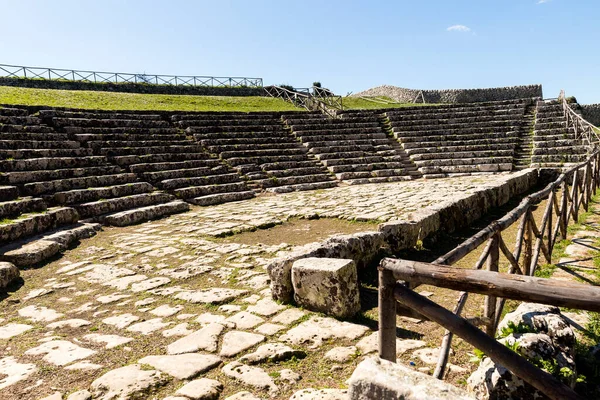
404, 95
591, 113
131, 87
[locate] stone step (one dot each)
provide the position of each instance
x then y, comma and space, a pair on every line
75, 130
296, 171
490, 126
46, 114
176, 165
463, 161
79, 196
320, 131
242, 147
443, 137
466, 168
558, 142
42, 153
365, 167
290, 165
130, 137
34, 250
62, 185
349, 148
336, 136
448, 114
238, 135
227, 141
560, 150
166, 142
235, 128
361, 160
476, 119
262, 153
13, 208
32, 224
19, 120
302, 187
292, 180
550, 125
344, 142
33, 129
491, 132
195, 148
13, 111
199, 191
495, 142
184, 173
461, 154
176, 183
265, 121
23, 177
461, 148
108, 123
8, 193
370, 174
259, 160
558, 158
37, 144
218, 198
551, 134
458, 107
381, 179
147, 213
100, 207
27, 137
158, 158
44, 163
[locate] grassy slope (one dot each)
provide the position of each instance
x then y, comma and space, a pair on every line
131, 101
357, 103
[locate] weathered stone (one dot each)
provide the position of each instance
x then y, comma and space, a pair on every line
54, 396
166, 310
111, 341
39, 314
269, 329
71, 323
8, 274
265, 307
288, 316
341, 354
251, 376
10, 330
369, 344
37, 293
83, 366
12, 371
206, 339
147, 327
80, 395
271, 352
183, 366
178, 330
321, 394
326, 285
130, 382
60, 352
121, 321
235, 342
243, 396
244, 320
289, 376
201, 389
210, 296
314, 331
380, 379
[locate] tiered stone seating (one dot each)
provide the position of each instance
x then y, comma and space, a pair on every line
152, 150
554, 144
460, 138
355, 148
259, 148
47, 164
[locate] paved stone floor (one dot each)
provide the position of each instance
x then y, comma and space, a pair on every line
172, 310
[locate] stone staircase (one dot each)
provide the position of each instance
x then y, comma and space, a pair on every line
459, 138
555, 145
259, 148
524, 144
355, 147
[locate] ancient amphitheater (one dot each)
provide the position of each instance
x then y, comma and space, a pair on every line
205, 255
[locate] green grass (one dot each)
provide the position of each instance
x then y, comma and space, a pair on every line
357, 103
133, 101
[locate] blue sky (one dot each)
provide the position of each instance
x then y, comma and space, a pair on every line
347, 45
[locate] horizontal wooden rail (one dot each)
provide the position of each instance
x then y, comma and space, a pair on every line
499, 353
509, 286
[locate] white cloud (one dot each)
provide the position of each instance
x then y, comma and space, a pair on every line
459, 28
543, 1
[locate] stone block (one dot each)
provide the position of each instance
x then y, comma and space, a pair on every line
8, 273
384, 380
328, 285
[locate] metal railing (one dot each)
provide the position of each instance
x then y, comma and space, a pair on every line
57, 74
582, 127
565, 196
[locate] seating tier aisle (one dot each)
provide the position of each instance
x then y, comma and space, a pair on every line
259, 148
460, 138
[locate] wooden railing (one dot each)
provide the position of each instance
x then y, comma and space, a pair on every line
564, 199
582, 128
312, 99
15, 71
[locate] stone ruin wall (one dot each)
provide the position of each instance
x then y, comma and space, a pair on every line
131, 87
403, 95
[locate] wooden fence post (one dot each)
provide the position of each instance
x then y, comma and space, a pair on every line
490, 301
387, 315
563, 211
528, 243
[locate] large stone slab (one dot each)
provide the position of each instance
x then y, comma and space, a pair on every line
11, 371
251, 376
206, 339
327, 285
235, 342
201, 389
380, 379
60, 352
125, 383
9, 330
183, 366
8, 274
313, 332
